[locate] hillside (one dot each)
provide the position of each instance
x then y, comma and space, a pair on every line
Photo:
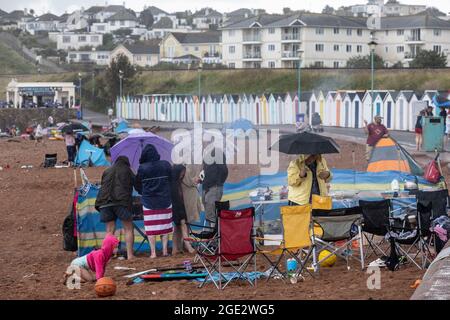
11, 62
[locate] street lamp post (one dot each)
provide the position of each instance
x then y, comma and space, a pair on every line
120, 87
200, 68
299, 86
81, 108
372, 45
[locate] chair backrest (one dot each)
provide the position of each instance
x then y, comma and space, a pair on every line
337, 224
296, 226
236, 232
375, 216
430, 205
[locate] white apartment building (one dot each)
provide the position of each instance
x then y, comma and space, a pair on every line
400, 38
96, 57
273, 41
45, 22
74, 41
379, 7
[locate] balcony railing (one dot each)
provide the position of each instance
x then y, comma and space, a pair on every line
252, 55
290, 54
252, 38
292, 36
413, 39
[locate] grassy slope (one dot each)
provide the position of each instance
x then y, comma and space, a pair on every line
259, 81
12, 62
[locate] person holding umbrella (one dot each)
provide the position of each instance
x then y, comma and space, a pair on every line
309, 173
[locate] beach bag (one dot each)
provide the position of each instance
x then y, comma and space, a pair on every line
321, 202
432, 173
69, 239
393, 262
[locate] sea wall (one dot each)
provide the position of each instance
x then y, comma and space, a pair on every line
23, 118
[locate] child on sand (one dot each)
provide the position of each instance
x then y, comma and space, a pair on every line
94, 261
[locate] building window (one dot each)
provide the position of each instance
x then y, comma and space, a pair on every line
72, 56
320, 30
231, 49
271, 64
138, 58
66, 39
271, 30
336, 30
386, 49
359, 32
100, 28
400, 32
437, 49
94, 39
81, 38
400, 49
149, 58
349, 48
437, 32
359, 48
186, 49
387, 32
336, 47
231, 33
271, 47
319, 47
196, 49
122, 23
232, 65
336, 64
349, 32
318, 64
113, 23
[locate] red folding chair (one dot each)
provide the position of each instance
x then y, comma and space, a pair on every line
235, 250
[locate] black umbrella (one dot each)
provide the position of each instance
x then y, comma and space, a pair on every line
305, 143
73, 127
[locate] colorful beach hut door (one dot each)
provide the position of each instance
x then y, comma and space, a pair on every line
378, 111
338, 113
388, 116
347, 111
356, 114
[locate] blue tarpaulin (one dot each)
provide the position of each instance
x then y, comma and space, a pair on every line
88, 151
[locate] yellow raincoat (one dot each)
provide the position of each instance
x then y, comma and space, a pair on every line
300, 188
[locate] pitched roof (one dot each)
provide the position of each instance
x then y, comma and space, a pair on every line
394, 94
202, 13
151, 47
94, 9
351, 95
414, 21
16, 15
308, 19
408, 94
113, 8
124, 15
155, 10
187, 56
47, 17
240, 12
64, 17
3, 13
198, 37
163, 23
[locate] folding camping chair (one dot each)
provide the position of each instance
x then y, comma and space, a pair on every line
204, 240
375, 223
50, 160
332, 227
412, 234
296, 222
235, 240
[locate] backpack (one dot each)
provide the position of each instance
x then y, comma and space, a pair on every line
70, 242
432, 173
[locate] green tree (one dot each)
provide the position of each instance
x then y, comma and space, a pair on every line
328, 10
429, 59
120, 63
364, 62
108, 42
146, 18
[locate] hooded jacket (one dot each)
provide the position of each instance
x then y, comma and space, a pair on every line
117, 185
153, 179
98, 259
178, 206
300, 188
216, 173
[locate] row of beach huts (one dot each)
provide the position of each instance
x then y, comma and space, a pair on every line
336, 108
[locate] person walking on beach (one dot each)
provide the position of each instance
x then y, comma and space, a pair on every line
418, 130
375, 131
114, 200
153, 183
215, 174
307, 175
39, 135
70, 146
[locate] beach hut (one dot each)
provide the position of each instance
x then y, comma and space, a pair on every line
330, 109
321, 101
428, 96
252, 111
280, 106
271, 109
244, 107
389, 109
338, 105
288, 110
257, 105
347, 99
313, 105
233, 103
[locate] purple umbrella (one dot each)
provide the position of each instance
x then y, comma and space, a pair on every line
132, 147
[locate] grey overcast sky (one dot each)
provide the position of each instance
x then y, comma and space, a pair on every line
61, 6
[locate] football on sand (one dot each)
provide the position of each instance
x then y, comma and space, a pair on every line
105, 287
